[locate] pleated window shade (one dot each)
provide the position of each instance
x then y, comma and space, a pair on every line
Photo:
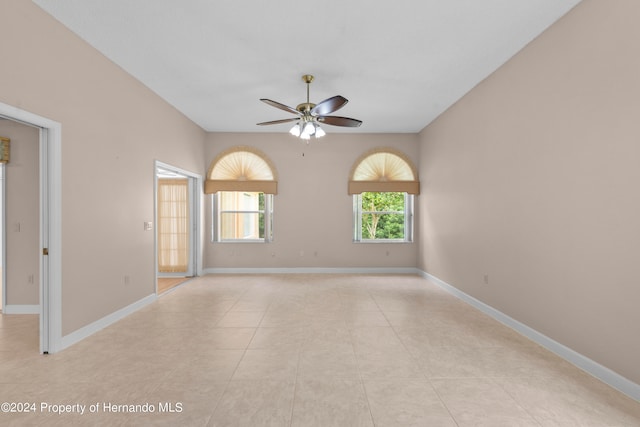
383, 170
241, 169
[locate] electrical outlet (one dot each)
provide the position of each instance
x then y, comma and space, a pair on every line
126, 280
486, 279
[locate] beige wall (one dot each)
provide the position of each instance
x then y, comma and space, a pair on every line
113, 128
22, 213
532, 179
312, 211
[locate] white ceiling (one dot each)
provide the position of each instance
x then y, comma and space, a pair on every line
400, 63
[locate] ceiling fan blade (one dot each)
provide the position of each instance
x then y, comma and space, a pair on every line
275, 122
329, 105
280, 106
340, 121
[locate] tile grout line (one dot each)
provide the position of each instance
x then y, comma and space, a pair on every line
355, 353
424, 374
295, 383
533, 417
244, 352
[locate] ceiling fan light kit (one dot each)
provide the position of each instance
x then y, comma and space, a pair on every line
309, 115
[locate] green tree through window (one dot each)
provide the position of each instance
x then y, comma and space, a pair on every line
383, 215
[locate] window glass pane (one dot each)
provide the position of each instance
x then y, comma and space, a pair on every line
241, 225
242, 216
383, 226
383, 215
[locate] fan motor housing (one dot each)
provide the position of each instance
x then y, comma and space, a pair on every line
305, 107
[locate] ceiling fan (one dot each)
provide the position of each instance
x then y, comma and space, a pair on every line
310, 116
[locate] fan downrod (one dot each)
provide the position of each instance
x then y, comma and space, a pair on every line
306, 107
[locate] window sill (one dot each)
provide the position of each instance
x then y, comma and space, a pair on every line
240, 241
378, 241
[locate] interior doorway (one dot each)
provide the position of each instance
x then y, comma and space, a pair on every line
19, 173
2, 238
48, 212
177, 199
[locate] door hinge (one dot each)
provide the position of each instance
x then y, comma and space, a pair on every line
45, 251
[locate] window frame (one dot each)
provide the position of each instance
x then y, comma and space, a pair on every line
408, 219
216, 222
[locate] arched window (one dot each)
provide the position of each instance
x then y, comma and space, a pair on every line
383, 169
383, 182
243, 182
241, 169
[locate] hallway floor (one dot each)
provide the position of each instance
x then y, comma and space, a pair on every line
167, 283
302, 350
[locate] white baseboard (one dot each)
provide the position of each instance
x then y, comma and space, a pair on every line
22, 309
92, 328
593, 368
317, 270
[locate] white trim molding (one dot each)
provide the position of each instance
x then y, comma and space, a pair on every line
22, 309
591, 367
92, 328
312, 270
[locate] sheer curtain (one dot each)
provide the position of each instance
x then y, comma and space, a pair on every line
173, 225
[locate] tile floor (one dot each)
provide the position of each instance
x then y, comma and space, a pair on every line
303, 350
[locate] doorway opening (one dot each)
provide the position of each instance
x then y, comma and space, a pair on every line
2, 239
48, 275
177, 200
20, 184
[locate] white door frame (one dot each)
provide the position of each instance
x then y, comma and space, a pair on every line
195, 205
50, 224
3, 233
